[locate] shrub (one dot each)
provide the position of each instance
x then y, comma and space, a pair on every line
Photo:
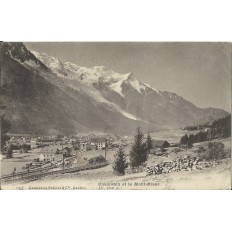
26, 146
201, 150
97, 160
215, 151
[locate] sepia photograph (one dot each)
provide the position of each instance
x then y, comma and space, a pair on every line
115, 115
103, 96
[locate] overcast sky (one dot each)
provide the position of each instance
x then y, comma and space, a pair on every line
199, 72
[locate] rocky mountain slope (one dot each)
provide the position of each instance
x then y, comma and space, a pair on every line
45, 96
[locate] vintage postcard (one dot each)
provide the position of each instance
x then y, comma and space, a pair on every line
115, 115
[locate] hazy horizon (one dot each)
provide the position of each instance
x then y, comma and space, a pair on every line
199, 72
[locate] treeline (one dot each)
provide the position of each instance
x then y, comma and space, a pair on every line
24, 146
48, 140
190, 139
196, 127
220, 128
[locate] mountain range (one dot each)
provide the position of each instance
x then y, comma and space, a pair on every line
44, 96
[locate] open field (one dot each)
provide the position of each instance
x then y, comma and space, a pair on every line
20, 160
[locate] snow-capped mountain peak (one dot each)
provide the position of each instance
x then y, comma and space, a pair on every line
90, 76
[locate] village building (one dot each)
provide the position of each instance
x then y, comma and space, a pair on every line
83, 146
33, 142
53, 154
92, 145
16, 140
48, 153
46, 157
160, 144
100, 143
48, 149
16, 152
115, 144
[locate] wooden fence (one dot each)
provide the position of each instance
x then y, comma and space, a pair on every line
32, 175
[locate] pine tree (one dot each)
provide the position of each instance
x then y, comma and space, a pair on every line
184, 140
120, 163
149, 143
138, 153
191, 138
5, 127
9, 152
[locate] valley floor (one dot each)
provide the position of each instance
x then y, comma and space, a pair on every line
217, 176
